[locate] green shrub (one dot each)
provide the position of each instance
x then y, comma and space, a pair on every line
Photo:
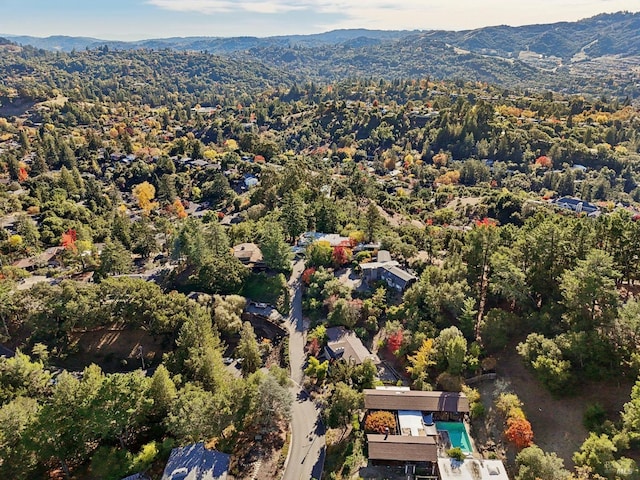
477, 410
145, 457
456, 453
110, 463
594, 417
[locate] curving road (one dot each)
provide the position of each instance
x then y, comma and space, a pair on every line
307, 450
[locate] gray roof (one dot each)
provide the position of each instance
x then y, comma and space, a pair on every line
399, 273
384, 256
195, 462
344, 344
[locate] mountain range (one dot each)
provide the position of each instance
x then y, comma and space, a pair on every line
605, 34
601, 53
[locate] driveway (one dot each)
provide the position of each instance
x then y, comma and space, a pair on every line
306, 454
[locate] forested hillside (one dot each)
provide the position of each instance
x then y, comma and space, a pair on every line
592, 56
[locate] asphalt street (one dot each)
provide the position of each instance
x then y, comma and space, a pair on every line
307, 450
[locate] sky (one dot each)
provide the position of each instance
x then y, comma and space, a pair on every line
140, 19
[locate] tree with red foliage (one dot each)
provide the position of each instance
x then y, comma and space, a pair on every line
380, 422
22, 174
314, 347
486, 223
68, 240
544, 161
341, 256
519, 432
394, 341
306, 275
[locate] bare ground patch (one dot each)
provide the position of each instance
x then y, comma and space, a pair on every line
556, 422
115, 349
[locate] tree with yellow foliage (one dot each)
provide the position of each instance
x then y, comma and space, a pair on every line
231, 145
144, 194
440, 159
15, 242
420, 364
452, 177
178, 208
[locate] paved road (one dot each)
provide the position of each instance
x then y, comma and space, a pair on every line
307, 450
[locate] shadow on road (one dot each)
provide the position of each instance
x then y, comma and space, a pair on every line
316, 471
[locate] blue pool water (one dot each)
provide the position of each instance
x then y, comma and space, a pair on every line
457, 435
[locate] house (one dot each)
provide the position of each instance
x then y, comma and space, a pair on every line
249, 254
45, 259
231, 219
578, 206
343, 344
387, 270
449, 403
333, 239
427, 424
195, 462
250, 180
199, 163
396, 277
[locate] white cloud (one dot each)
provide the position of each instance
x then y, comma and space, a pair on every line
411, 14
227, 6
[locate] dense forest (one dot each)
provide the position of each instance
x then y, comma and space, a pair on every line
128, 176
594, 56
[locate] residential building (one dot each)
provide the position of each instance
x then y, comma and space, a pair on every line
249, 254
343, 344
195, 462
418, 438
333, 239
387, 270
45, 259
5, 352
578, 206
471, 469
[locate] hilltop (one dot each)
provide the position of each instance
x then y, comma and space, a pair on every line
596, 55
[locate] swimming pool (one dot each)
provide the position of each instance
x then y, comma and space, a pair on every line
457, 435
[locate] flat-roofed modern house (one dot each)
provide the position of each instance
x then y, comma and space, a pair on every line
395, 448
428, 424
435, 402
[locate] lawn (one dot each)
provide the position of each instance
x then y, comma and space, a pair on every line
271, 289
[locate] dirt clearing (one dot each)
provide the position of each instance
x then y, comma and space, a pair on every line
115, 349
556, 422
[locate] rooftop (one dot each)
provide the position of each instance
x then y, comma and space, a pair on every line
415, 400
345, 344
402, 448
471, 469
399, 273
247, 253
195, 462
